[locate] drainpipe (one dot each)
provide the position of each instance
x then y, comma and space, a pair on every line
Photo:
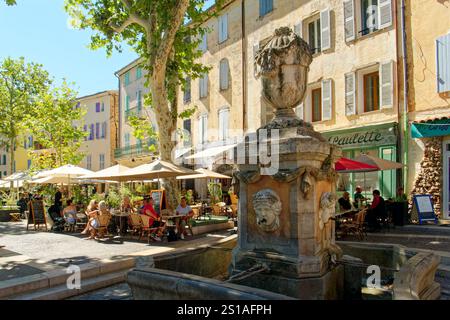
244, 69
118, 131
405, 97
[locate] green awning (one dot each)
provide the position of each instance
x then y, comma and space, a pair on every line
436, 128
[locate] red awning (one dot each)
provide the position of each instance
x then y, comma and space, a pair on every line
344, 165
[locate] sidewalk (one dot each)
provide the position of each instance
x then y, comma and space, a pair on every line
28, 253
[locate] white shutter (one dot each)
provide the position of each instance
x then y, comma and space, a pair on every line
325, 30
384, 13
223, 28
224, 70
298, 29
223, 124
350, 94
300, 111
349, 20
443, 63
200, 130
387, 84
326, 100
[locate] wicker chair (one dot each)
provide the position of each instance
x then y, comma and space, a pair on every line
135, 223
355, 227
146, 228
103, 221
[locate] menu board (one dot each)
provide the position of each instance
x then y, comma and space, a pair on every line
423, 206
36, 215
159, 200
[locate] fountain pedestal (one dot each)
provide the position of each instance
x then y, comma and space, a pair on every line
286, 206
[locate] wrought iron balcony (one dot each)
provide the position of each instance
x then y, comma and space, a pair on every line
137, 150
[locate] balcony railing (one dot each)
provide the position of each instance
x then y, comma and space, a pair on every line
137, 150
136, 111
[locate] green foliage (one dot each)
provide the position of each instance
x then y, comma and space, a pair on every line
9, 198
52, 125
114, 199
21, 85
10, 2
189, 196
143, 189
215, 191
125, 191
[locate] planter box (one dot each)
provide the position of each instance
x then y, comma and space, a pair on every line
212, 227
5, 214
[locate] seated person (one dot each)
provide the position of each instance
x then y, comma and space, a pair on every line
23, 205
126, 205
345, 203
94, 223
186, 213
70, 213
359, 198
376, 211
155, 220
91, 213
401, 196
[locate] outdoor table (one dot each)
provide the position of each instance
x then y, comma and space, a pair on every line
120, 215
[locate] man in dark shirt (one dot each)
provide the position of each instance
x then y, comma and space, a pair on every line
358, 197
344, 202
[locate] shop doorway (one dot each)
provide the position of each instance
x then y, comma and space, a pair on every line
446, 180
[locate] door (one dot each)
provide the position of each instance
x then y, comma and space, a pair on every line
446, 180
388, 178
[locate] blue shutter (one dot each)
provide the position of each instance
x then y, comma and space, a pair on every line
269, 5
443, 63
262, 7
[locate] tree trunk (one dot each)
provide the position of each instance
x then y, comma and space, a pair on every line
166, 127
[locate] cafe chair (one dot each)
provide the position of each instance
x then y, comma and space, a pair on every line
103, 221
146, 228
135, 223
355, 227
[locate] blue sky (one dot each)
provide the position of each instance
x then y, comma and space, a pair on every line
38, 30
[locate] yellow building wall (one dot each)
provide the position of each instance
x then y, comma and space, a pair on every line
21, 158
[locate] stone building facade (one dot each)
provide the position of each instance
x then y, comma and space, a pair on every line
354, 81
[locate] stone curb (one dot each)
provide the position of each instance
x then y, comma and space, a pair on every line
49, 279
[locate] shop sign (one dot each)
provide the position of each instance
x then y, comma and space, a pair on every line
364, 138
431, 129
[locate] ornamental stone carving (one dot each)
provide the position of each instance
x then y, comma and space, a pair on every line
267, 206
327, 208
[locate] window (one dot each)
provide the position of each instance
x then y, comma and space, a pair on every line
138, 73
139, 100
85, 130
224, 71
102, 161
203, 46
89, 162
203, 86
371, 92
4, 159
187, 91
127, 103
103, 107
91, 133
443, 63
5, 173
30, 142
369, 16
28, 164
97, 130
314, 36
265, 6
187, 133
223, 28
103, 131
224, 119
316, 104
202, 128
127, 140
127, 78
97, 107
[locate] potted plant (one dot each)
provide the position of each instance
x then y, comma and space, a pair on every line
215, 191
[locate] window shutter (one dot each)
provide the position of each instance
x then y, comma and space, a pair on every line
443, 63
104, 130
326, 100
325, 26
300, 111
204, 44
97, 107
262, 7
223, 28
97, 130
387, 84
384, 13
298, 29
350, 94
349, 20
224, 70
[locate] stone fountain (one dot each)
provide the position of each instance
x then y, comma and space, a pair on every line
286, 206
285, 246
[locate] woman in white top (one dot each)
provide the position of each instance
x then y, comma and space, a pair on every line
186, 212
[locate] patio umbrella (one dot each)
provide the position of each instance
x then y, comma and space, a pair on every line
52, 180
68, 170
157, 169
17, 179
105, 174
381, 164
205, 174
344, 165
